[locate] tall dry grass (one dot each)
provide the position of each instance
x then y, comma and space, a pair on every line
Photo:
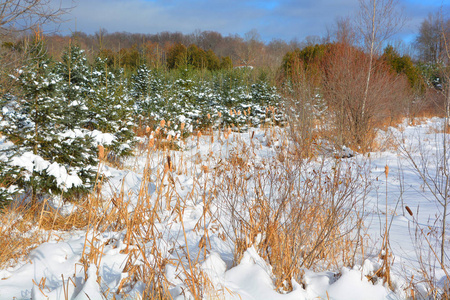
296, 212
299, 211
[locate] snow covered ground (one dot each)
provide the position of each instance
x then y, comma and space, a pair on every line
175, 236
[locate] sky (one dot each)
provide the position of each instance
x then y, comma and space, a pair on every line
273, 19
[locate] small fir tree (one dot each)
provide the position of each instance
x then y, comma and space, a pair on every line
56, 158
74, 86
111, 107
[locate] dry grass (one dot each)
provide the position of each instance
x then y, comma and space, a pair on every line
18, 233
296, 219
296, 210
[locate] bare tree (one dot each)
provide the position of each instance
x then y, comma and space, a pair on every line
445, 34
23, 15
18, 16
430, 40
343, 88
344, 31
378, 20
250, 50
312, 40
444, 189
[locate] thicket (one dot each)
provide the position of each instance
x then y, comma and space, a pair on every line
333, 75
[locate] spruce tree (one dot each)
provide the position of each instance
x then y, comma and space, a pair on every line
56, 158
74, 86
111, 107
9, 175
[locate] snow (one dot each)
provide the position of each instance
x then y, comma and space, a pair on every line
59, 261
351, 285
103, 138
63, 179
251, 280
32, 162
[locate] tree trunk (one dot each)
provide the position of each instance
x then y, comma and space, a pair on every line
369, 73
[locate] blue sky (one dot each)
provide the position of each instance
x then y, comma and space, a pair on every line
282, 19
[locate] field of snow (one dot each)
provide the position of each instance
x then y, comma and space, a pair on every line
166, 222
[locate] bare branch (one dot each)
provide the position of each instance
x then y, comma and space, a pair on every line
25, 15
378, 21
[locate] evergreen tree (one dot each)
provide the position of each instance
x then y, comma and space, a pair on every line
111, 107
9, 174
74, 86
403, 65
140, 83
177, 57
55, 157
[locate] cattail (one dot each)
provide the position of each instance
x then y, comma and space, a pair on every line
202, 243
409, 211
208, 116
249, 109
162, 123
169, 163
101, 152
386, 170
157, 131
169, 137
238, 112
229, 130
168, 124
182, 126
205, 169
245, 113
231, 112
219, 114
147, 129
199, 134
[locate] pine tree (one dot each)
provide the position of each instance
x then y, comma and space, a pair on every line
147, 90
7, 187
140, 84
56, 158
79, 151
111, 108
9, 174
74, 85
